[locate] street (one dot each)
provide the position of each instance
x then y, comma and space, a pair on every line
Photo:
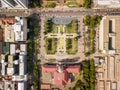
63, 12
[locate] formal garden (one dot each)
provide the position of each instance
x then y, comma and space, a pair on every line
57, 37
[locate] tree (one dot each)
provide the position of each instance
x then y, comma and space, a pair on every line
87, 20
87, 3
51, 5
87, 54
92, 75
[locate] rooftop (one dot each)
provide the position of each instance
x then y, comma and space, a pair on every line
45, 87
60, 73
109, 34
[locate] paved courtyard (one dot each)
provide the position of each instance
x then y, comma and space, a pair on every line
62, 20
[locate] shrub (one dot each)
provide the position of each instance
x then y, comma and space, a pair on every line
87, 3
51, 5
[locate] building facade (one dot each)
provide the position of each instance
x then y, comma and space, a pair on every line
14, 4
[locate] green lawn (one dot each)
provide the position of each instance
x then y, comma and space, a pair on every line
72, 45
72, 4
72, 27
51, 45
50, 27
61, 28
50, 4
54, 29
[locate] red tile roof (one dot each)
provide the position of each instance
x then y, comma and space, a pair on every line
8, 20
60, 78
46, 69
73, 69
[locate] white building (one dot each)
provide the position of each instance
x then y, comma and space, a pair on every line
14, 68
15, 29
20, 29
8, 3
109, 34
22, 3
22, 66
14, 4
110, 3
103, 2
22, 86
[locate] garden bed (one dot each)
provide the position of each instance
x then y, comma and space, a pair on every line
72, 46
51, 45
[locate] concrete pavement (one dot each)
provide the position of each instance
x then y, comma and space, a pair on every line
58, 11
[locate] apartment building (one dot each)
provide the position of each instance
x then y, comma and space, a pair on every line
14, 4
22, 3
107, 73
109, 35
13, 53
107, 67
20, 29
8, 3
15, 29
14, 68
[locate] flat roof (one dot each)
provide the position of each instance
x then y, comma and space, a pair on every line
10, 59
60, 77
2, 57
45, 86
9, 34
12, 48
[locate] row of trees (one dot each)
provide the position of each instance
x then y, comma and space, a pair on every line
48, 25
36, 73
88, 75
88, 80
92, 22
69, 44
33, 24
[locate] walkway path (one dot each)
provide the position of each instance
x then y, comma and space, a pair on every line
62, 39
61, 36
